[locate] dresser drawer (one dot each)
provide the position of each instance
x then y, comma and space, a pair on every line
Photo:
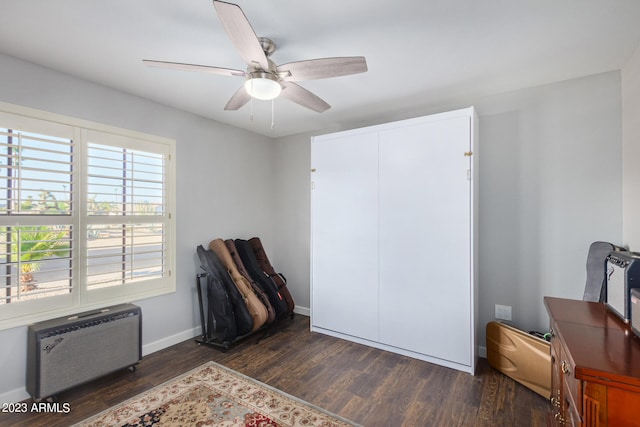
572, 386
572, 402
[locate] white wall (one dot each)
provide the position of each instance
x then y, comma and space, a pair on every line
550, 186
550, 171
225, 182
292, 220
631, 150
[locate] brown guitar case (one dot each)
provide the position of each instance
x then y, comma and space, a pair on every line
257, 310
264, 299
265, 265
520, 356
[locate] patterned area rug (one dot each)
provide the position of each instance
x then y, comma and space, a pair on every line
212, 395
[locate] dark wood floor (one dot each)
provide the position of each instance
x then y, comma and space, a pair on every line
368, 386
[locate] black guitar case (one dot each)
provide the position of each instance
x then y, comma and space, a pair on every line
267, 267
220, 277
221, 322
248, 257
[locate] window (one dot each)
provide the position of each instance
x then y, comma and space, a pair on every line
85, 215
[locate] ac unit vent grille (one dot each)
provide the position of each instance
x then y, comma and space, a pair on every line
87, 324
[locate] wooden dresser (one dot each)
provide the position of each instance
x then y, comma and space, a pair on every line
595, 379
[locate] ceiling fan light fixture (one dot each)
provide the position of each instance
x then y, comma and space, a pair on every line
263, 86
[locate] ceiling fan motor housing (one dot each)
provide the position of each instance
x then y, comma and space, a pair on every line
268, 46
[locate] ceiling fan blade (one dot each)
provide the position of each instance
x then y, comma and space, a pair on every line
323, 68
300, 95
238, 99
241, 33
193, 67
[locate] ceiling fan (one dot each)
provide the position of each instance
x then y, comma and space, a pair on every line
263, 78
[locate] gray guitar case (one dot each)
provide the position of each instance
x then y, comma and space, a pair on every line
595, 288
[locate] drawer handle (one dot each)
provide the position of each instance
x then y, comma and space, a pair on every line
559, 418
555, 402
565, 368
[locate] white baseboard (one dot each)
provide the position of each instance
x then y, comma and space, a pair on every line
305, 311
14, 396
482, 352
163, 343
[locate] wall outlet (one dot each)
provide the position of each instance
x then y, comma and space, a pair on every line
503, 312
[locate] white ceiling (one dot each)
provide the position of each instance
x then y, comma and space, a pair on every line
420, 53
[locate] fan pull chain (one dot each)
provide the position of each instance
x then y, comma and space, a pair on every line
273, 122
251, 111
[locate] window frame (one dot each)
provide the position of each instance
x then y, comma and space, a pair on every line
82, 132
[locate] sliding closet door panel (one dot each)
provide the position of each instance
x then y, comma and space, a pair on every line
345, 234
425, 245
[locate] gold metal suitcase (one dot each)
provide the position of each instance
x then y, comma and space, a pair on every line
521, 356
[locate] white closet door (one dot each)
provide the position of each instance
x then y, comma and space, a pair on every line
425, 240
345, 234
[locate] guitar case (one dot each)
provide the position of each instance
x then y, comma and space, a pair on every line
264, 299
596, 285
257, 310
239, 311
221, 322
261, 278
279, 279
521, 356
